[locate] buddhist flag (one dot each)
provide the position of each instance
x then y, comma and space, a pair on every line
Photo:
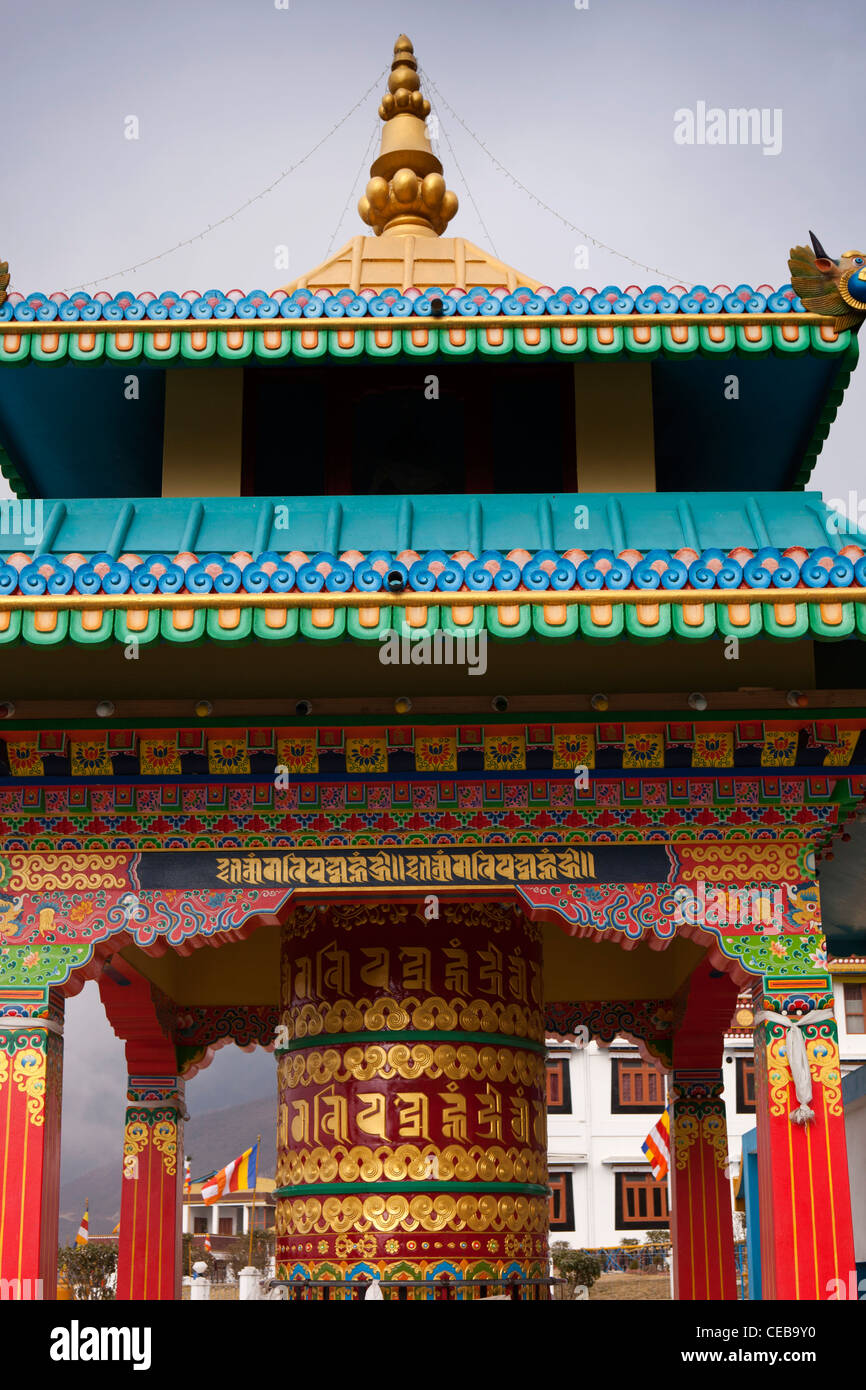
187, 1177
82, 1237
237, 1176
657, 1146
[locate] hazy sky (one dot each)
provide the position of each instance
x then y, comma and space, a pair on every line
578, 104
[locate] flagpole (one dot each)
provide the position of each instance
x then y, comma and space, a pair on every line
253, 1209
187, 1192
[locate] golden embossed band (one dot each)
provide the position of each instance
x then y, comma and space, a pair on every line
318, 1067
453, 1163
426, 1015
523, 1215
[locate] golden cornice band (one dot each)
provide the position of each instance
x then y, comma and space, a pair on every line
456, 598
410, 1163
313, 1067
303, 1216
132, 326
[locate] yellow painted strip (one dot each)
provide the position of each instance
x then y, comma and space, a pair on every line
6, 1185
162, 1182
716, 1185
131, 1247
691, 1225
704, 1212
793, 1207
147, 1214
830, 1177
641, 598
812, 1203
412, 321
23, 1192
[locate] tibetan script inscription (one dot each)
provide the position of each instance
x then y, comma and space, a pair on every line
382, 868
437, 867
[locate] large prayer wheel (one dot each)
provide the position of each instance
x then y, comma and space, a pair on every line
412, 1126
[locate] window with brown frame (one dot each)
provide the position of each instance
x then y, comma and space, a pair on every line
855, 1008
561, 1190
558, 1086
745, 1085
641, 1202
636, 1087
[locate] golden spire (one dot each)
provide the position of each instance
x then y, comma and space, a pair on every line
406, 195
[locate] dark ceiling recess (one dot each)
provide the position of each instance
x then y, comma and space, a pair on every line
843, 904
427, 428
757, 437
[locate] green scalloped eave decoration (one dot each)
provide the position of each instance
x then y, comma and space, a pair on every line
392, 339
16, 483
832, 401
578, 623
41, 964
778, 955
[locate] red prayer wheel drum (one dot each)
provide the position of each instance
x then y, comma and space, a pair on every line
412, 1124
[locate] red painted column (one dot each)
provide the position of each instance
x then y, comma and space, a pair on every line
807, 1241
702, 1227
702, 1235
31, 1064
149, 1247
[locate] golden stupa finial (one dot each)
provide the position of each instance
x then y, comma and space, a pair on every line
406, 195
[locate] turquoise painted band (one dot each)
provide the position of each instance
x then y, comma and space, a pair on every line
348, 1189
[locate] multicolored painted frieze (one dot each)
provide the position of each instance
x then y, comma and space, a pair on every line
744, 749
531, 812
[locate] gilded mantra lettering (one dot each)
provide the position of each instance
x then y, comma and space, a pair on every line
331, 974
326, 1117
397, 867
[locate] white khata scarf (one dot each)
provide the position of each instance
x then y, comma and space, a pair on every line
798, 1060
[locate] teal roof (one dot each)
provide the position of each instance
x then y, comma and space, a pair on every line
563, 521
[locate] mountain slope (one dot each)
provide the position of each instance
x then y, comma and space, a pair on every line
211, 1140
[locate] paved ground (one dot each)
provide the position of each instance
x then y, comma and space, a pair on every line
632, 1286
